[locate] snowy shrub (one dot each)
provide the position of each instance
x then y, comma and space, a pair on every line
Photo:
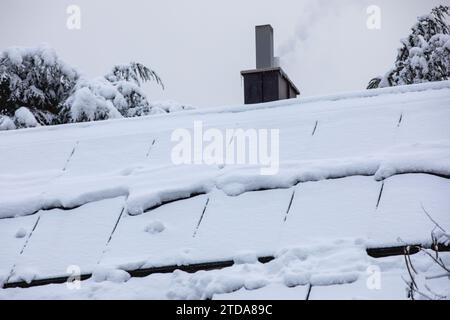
116, 95
91, 101
169, 106
34, 78
6, 123
131, 100
127, 79
24, 118
424, 55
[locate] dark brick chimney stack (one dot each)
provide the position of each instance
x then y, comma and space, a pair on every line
268, 82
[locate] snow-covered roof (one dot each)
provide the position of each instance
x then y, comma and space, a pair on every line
357, 172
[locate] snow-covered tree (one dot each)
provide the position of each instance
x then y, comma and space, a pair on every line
91, 100
133, 72
127, 79
118, 94
34, 83
425, 53
37, 88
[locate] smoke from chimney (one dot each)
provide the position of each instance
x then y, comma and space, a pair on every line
315, 12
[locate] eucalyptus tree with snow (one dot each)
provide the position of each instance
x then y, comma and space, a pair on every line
424, 55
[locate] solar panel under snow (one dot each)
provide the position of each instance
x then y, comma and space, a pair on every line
295, 142
400, 219
35, 157
160, 237
216, 227
201, 230
339, 135
247, 224
418, 124
13, 236
109, 154
330, 209
161, 149
68, 238
193, 233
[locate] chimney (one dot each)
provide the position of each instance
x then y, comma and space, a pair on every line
264, 47
268, 82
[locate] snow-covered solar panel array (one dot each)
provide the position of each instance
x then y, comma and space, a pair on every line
363, 169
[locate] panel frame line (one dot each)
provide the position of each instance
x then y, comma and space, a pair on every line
291, 201
201, 217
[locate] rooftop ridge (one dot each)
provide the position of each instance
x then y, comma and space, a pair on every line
350, 95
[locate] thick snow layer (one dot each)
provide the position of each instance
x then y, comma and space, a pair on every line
345, 275
33, 158
242, 227
78, 178
319, 207
422, 125
216, 227
276, 291
63, 239
14, 234
327, 264
102, 274
132, 246
170, 106
401, 217
133, 149
148, 186
391, 287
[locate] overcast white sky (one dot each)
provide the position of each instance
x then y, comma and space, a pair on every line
199, 47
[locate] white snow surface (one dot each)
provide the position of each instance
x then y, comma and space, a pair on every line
357, 170
338, 271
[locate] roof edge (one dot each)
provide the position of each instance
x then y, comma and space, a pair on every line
429, 86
